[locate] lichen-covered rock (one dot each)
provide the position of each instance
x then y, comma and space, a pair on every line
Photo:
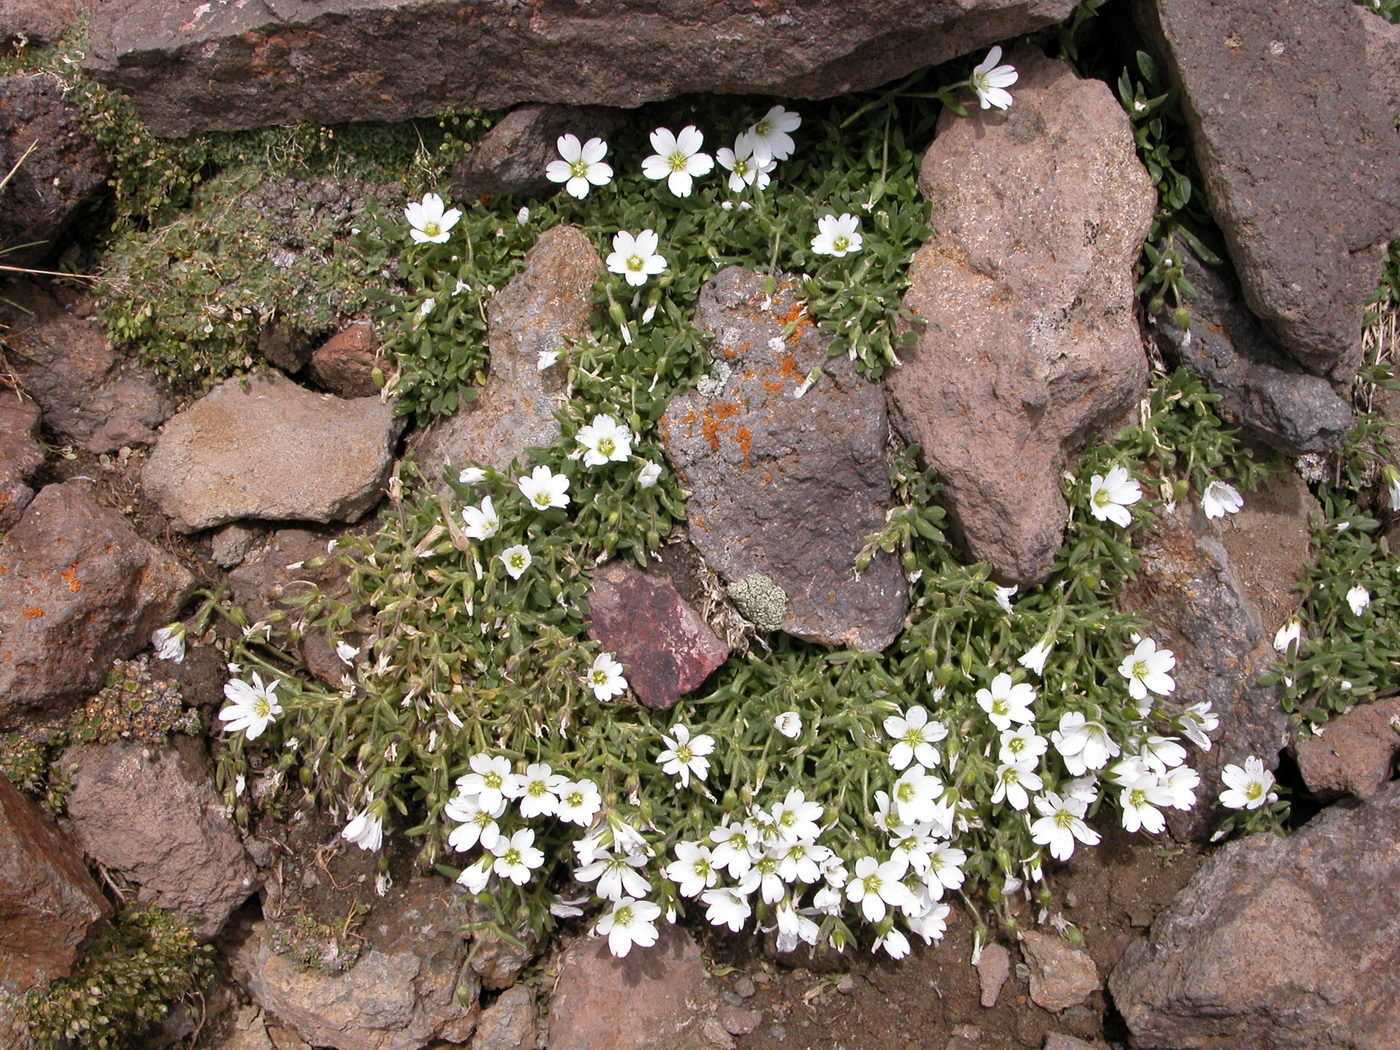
1287, 943
1297, 145
267, 448
78, 589
1026, 286
787, 477
20, 456
545, 307
512, 156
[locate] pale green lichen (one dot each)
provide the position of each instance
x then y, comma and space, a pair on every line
761, 600
712, 385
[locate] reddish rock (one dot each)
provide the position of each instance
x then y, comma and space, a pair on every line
510, 1023
1354, 753
49, 904
20, 455
1270, 545
657, 997
512, 156
344, 364
1061, 975
993, 968
1031, 342
661, 642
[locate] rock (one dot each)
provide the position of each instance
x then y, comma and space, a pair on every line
1299, 155
190, 860
344, 364
786, 490
65, 171
1287, 943
496, 960
192, 68
78, 589
545, 306
231, 544
90, 395
1270, 546
49, 904
246, 1029
668, 995
1031, 343
738, 1020
1061, 974
402, 993
511, 157
14, 1028
993, 968
20, 456
41, 21
1354, 754
1187, 590
277, 571
285, 347
1059, 1041
666, 649
1267, 395
510, 1023
274, 451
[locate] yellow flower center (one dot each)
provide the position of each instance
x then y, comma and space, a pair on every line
677, 161
432, 229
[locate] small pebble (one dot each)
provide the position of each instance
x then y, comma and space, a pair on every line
846, 985
744, 987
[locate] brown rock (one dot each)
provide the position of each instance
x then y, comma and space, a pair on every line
284, 347
512, 156
190, 860
20, 456
510, 1023
49, 904
1060, 1041
786, 490
193, 68
1287, 943
1354, 754
666, 649
1270, 546
1061, 974
1031, 343
545, 306
40, 21
78, 589
496, 960
1299, 154
993, 968
344, 364
668, 994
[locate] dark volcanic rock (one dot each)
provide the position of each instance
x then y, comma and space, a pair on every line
786, 489
49, 904
666, 648
1287, 943
1263, 392
41, 21
512, 156
193, 66
20, 455
1300, 156
1031, 341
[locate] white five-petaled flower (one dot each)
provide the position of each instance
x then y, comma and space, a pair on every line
1197, 722
430, 220
649, 475
539, 790
1249, 787
1146, 669
789, 723
1003, 596
1111, 494
1033, 659
693, 870
618, 875
544, 488
346, 653
1139, 799
875, 885
252, 708
1014, 781
516, 856
1289, 634
169, 642
1006, 703
481, 522
468, 476
1020, 744
475, 823
364, 830
1084, 745
605, 677
1220, 499
748, 163
579, 802
490, 781
989, 81
837, 235
685, 755
677, 159
1358, 598
726, 907
605, 440
914, 737
915, 796
516, 560
635, 257
546, 359
582, 166
1061, 822
772, 132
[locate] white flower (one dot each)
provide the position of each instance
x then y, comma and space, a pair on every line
630, 922
1006, 703
169, 642
748, 163
1013, 781
605, 677
476, 825
579, 802
346, 652
693, 870
795, 818
582, 166
544, 488
1060, 823
636, 257
915, 736
685, 755
895, 944
677, 159
1146, 669
481, 522
648, 476
490, 781
365, 831
771, 130
617, 875
546, 359
1182, 782
1084, 745
1020, 744
1139, 800
1034, 658
1249, 787
989, 81
1162, 753
1220, 499
789, 723
516, 856
516, 560
469, 476
523, 215
475, 877
1391, 477
1196, 722
1358, 598
837, 236
1288, 635
539, 790
1110, 496
945, 867
1003, 596
605, 440
875, 885
932, 924
726, 907
915, 796
429, 221
252, 708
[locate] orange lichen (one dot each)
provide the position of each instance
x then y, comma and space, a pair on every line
713, 421
70, 577
745, 437
33, 612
